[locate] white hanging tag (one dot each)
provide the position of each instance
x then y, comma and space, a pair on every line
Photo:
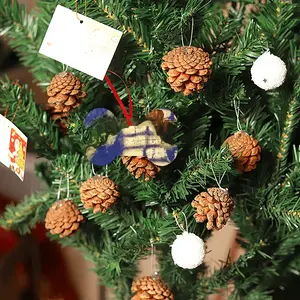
81, 43
13, 147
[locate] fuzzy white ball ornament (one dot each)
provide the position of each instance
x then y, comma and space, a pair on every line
188, 250
268, 71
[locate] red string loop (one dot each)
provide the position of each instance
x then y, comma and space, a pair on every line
127, 115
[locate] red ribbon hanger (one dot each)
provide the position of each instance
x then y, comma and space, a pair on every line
128, 115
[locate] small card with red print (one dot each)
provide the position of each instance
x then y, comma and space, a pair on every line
13, 147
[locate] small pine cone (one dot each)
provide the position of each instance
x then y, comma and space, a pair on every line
189, 68
139, 166
99, 193
245, 151
215, 206
63, 218
161, 118
156, 117
150, 288
65, 93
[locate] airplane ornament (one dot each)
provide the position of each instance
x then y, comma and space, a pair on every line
141, 140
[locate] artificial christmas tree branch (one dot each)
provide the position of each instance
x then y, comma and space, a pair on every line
24, 33
242, 272
79, 169
127, 28
202, 167
277, 21
14, 18
225, 275
165, 15
24, 216
216, 29
290, 125
281, 211
243, 51
292, 175
19, 102
115, 262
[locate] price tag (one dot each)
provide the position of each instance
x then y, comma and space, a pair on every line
81, 43
13, 147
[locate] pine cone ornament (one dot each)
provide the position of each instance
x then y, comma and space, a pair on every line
245, 150
139, 166
150, 288
188, 69
156, 117
215, 206
65, 93
63, 218
99, 193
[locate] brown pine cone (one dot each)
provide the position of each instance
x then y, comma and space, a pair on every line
245, 150
215, 206
99, 193
156, 117
150, 288
63, 218
139, 166
188, 69
65, 93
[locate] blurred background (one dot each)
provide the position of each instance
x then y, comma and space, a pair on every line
32, 267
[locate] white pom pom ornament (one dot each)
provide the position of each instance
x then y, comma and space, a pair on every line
188, 250
268, 71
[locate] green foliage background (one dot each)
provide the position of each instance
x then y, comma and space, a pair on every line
267, 206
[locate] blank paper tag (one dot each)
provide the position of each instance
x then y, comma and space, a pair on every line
13, 147
88, 46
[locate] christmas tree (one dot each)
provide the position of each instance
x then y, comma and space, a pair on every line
215, 87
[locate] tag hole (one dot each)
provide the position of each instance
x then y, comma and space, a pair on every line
81, 21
